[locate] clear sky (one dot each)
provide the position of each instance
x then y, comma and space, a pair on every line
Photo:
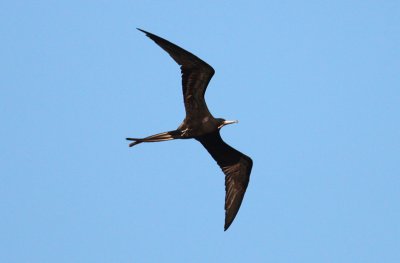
314, 84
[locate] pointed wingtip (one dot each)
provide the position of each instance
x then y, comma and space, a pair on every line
227, 225
144, 31
148, 34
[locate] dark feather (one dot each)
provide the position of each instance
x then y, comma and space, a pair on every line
236, 167
196, 74
201, 125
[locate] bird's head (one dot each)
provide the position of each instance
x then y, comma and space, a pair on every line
223, 122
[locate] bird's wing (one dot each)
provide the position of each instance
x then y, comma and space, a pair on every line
196, 74
236, 167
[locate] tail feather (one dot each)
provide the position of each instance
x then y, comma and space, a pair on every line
164, 136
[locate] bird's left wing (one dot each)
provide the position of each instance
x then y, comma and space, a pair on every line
236, 167
196, 74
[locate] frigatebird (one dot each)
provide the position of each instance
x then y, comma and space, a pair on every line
200, 124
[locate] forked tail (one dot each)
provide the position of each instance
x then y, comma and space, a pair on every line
164, 136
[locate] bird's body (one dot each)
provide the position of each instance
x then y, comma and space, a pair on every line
199, 124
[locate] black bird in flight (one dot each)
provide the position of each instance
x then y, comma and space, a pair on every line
199, 124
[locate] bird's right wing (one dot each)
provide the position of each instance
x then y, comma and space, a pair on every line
196, 74
236, 167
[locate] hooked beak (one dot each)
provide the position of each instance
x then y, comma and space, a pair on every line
226, 123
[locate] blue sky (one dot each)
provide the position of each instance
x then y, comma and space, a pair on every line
314, 84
